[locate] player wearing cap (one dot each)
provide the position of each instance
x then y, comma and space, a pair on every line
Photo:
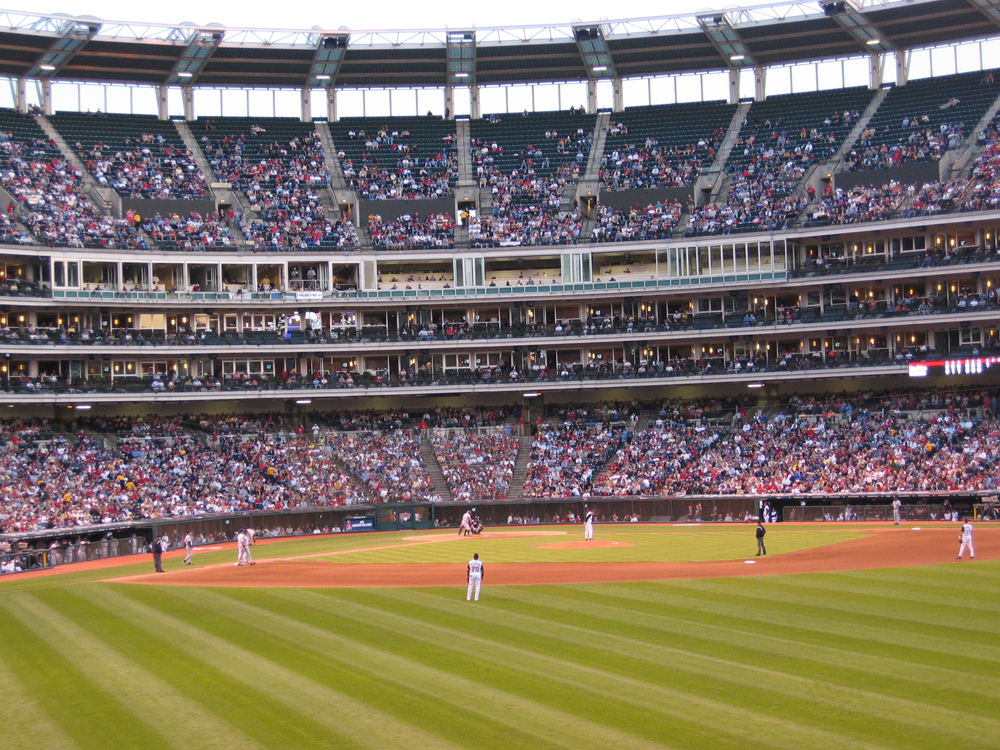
188, 549
475, 577
588, 526
966, 539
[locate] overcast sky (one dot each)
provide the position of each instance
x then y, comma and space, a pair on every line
387, 14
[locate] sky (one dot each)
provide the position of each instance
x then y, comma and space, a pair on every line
387, 14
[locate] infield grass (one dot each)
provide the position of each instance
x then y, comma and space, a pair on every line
898, 658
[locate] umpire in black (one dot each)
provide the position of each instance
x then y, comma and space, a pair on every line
157, 555
761, 550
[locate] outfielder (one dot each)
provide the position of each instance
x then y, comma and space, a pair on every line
966, 539
588, 526
188, 549
475, 577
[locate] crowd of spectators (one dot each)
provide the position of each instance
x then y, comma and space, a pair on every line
525, 224
387, 463
410, 232
50, 202
656, 221
61, 482
921, 141
282, 182
636, 166
566, 458
146, 167
476, 465
392, 167
858, 204
191, 232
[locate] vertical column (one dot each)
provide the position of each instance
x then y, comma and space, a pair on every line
617, 100
162, 108
734, 86
305, 101
47, 97
875, 71
591, 96
474, 110
759, 83
449, 101
331, 104
902, 67
22, 95
188, 93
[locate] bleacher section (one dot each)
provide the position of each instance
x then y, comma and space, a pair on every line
47, 189
781, 138
278, 163
140, 156
663, 146
399, 157
527, 162
922, 120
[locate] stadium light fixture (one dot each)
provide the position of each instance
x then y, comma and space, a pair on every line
726, 39
82, 407
600, 68
461, 74
47, 67
185, 74
534, 394
737, 58
755, 385
303, 401
873, 42
327, 59
73, 35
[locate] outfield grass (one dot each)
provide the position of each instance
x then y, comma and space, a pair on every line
900, 658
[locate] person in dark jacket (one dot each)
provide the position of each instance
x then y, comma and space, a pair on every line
157, 555
761, 550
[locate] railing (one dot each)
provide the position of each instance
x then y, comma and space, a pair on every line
37, 559
852, 513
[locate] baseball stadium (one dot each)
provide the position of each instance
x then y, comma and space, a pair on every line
611, 384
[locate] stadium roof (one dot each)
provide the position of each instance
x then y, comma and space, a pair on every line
61, 47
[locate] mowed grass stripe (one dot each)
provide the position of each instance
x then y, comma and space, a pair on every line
23, 717
761, 688
836, 617
240, 698
961, 581
686, 621
530, 711
587, 668
74, 701
300, 680
183, 723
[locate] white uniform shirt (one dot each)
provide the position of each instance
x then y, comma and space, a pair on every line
967, 531
589, 517
241, 540
475, 568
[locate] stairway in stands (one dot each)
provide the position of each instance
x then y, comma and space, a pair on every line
434, 468
520, 468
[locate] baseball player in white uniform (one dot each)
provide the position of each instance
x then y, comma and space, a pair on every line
966, 540
475, 577
251, 537
896, 506
188, 549
466, 526
588, 526
241, 549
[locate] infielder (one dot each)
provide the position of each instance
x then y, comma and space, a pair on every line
896, 505
188, 549
588, 526
475, 577
966, 539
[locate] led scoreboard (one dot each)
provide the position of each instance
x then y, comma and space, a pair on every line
970, 366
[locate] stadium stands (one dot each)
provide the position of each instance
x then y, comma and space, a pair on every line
140, 156
397, 158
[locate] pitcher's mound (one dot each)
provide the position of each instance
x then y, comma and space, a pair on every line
586, 545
